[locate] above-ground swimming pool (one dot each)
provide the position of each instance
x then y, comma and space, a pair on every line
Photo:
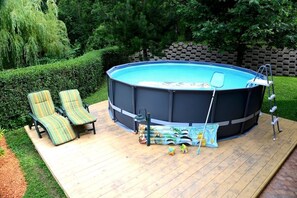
179, 93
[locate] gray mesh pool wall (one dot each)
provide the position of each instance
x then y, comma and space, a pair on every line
235, 110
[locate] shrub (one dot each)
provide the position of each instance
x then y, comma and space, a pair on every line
113, 56
83, 73
100, 38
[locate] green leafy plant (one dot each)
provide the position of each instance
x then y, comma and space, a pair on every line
111, 57
147, 26
83, 73
101, 38
239, 25
30, 31
2, 152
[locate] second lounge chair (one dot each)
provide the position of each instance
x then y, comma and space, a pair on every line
75, 110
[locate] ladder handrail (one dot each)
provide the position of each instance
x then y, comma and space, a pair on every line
259, 75
266, 71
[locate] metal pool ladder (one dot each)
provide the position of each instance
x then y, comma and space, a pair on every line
268, 82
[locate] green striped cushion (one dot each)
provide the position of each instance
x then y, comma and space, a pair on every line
72, 103
70, 99
79, 116
41, 103
58, 128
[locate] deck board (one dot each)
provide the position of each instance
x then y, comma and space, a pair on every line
113, 164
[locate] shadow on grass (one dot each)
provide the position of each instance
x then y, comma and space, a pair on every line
285, 108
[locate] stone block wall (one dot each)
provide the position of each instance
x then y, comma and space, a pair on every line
284, 62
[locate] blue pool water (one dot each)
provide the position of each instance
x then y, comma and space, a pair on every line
186, 73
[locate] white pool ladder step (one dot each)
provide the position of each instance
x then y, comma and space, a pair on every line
271, 97
266, 71
262, 82
275, 120
273, 109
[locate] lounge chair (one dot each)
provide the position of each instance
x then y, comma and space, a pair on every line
77, 112
45, 116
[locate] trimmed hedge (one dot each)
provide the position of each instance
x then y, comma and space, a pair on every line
112, 57
83, 73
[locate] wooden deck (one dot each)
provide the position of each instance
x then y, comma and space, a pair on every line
113, 164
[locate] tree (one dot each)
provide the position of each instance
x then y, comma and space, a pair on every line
85, 22
132, 24
147, 25
79, 20
28, 34
236, 25
100, 38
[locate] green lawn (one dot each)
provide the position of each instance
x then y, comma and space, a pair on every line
99, 95
286, 97
42, 184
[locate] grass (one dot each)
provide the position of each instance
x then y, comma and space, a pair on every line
42, 184
99, 95
286, 97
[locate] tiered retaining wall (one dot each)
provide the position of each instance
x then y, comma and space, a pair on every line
284, 62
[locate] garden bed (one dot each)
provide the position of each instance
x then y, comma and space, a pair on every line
12, 180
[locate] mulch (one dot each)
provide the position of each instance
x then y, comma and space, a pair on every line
12, 180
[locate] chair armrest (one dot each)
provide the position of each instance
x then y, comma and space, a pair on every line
34, 121
60, 110
33, 116
86, 106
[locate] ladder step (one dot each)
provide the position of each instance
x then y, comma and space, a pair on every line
273, 109
262, 82
275, 120
271, 97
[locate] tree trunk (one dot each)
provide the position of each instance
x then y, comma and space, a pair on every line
241, 48
145, 54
